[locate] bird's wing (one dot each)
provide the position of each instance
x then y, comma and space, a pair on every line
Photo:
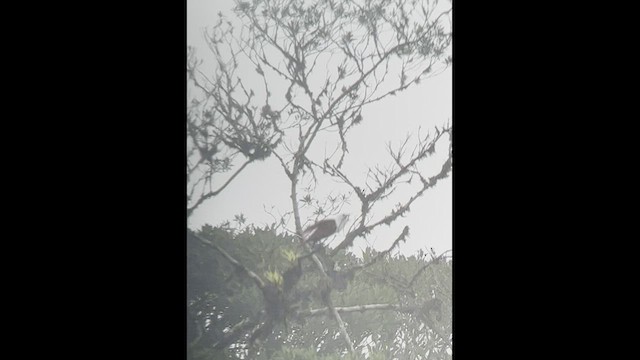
316, 224
309, 230
320, 230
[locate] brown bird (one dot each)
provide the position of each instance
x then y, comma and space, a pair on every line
324, 228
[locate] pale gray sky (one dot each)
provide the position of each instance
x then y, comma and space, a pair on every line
264, 184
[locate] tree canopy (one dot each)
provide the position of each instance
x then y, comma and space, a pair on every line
394, 307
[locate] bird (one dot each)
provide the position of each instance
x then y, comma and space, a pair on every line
324, 228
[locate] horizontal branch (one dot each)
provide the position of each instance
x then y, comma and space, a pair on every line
259, 282
356, 308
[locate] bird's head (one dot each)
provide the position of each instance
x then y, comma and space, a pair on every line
341, 221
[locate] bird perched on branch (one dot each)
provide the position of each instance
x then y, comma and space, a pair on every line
324, 228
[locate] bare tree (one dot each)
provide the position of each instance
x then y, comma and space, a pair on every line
221, 128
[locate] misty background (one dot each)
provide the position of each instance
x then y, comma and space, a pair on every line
263, 186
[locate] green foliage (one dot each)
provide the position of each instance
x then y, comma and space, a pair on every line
274, 277
221, 297
289, 255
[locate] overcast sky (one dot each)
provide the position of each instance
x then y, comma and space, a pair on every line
264, 184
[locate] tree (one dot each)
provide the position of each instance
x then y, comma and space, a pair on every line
319, 64
395, 307
219, 133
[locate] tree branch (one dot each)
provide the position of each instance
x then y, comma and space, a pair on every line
237, 265
401, 237
357, 308
369, 199
236, 331
214, 193
423, 268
